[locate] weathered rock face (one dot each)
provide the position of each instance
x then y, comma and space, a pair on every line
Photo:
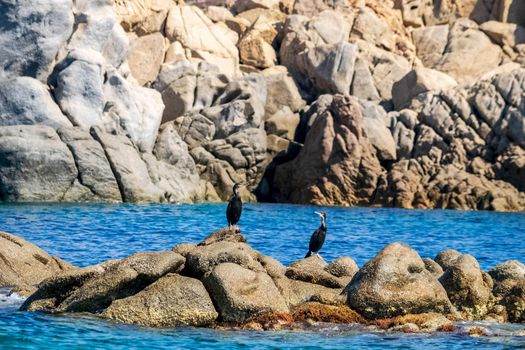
468, 288
26, 101
171, 301
395, 282
509, 289
23, 265
240, 293
33, 35
314, 270
337, 164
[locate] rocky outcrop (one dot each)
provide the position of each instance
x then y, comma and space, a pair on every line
395, 282
222, 281
468, 288
336, 164
23, 265
213, 95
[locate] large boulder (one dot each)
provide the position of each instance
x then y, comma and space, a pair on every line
468, 288
122, 279
375, 127
171, 301
35, 164
26, 101
32, 35
395, 282
509, 289
24, 265
337, 164
240, 294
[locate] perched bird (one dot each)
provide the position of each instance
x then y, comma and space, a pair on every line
234, 209
317, 239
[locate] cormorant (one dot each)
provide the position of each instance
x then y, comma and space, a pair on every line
317, 239
234, 209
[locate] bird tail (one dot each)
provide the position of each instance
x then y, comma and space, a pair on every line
309, 254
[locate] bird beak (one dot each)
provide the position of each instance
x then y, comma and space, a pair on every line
318, 213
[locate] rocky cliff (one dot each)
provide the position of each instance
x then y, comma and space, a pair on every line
394, 103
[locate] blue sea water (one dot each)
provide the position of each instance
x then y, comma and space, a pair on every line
86, 234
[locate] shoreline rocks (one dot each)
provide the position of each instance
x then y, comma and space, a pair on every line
233, 286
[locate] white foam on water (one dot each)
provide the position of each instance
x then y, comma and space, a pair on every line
10, 299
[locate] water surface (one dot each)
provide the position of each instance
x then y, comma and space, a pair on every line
86, 234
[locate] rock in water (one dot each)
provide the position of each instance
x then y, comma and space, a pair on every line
395, 282
171, 301
24, 265
240, 294
468, 288
509, 289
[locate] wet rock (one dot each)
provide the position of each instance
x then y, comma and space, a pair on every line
468, 288
24, 265
317, 312
240, 293
395, 282
171, 301
509, 290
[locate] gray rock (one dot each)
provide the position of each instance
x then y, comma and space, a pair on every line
36, 164
133, 110
430, 43
171, 301
374, 124
94, 169
418, 81
241, 294
282, 91
363, 85
225, 234
26, 101
81, 71
195, 129
330, 67
128, 167
146, 54
395, 282
32, 36
283, 123
468, 288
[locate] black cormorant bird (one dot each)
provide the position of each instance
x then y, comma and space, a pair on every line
234, 209
317, 239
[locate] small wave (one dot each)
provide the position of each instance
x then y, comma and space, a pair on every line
10, 299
